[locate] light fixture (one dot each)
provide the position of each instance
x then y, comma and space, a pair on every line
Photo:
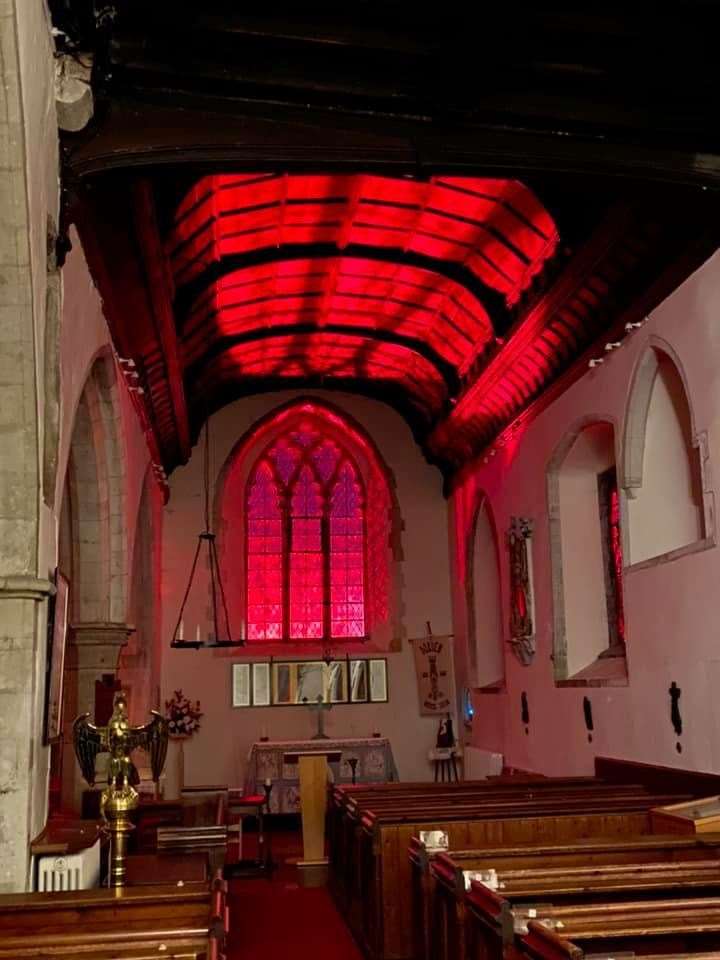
217, 592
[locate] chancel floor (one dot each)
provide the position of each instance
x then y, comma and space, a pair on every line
275, 918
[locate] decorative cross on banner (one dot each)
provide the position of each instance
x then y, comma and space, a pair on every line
320, 707
433, 670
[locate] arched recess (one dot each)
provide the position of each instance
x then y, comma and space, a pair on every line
484, 604
665, 463
584, 510
381, 518
140, 660
93, 553
96, 482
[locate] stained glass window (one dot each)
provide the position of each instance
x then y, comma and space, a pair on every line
609, 501
306, 541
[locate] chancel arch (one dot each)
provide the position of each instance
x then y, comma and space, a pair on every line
309, 532
484, 605
584, 511
664, 466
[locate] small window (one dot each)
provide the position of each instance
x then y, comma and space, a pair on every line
587, 560
485, 623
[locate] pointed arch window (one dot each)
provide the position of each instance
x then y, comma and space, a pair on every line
306, 541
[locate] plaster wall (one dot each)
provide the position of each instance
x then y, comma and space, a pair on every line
218, 753
668, 604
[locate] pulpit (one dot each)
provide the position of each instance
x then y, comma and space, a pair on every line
313, 765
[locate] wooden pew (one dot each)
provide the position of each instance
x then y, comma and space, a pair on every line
129, 923
380, 907
348, 806
494, 915
204, 829
659, 929
445, 882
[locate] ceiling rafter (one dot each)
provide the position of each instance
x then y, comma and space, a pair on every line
160, 291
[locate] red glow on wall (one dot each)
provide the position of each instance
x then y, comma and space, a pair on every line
494, 227
306, 542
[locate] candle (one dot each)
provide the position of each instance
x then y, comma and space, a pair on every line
268, 782
181, 631
197, 634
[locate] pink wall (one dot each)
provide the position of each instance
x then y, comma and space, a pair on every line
217, 754
670, 617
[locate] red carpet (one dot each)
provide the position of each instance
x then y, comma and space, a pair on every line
273, 919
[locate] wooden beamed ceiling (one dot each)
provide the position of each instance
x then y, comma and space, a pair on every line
627, 179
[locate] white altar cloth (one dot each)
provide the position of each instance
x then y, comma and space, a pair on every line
376, 764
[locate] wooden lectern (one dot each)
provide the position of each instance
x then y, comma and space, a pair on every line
313, 801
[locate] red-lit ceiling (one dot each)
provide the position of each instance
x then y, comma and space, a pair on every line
349, 279
496, 228
391, 300
405, 290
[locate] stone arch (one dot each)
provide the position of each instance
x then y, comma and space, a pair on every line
94, 520
686, 456
484, 635
572, 658
230, 490
96, 482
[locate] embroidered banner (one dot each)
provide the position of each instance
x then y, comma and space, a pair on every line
433, 667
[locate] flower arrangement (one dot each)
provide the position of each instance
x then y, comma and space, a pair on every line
183, 718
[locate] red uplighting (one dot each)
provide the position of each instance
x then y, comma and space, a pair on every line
496, 228
316, 355
391, 299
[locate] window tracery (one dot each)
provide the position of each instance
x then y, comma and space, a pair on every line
306, 541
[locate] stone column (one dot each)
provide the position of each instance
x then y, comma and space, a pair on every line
23, 760
93, 651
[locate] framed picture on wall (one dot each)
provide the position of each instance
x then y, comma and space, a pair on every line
241, 685
55, 665
378, 681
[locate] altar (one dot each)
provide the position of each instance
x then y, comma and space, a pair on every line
375, 764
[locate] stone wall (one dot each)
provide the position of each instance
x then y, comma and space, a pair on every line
28, 196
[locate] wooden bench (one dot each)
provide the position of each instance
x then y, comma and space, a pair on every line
380, 907
659, 929
438, 880
204, 829
131, 923
493, 916
347, 807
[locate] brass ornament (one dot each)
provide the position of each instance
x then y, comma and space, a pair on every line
119, 798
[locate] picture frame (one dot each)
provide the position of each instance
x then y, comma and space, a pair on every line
287, 683
241, 685
57, 627
261, 685
378, 683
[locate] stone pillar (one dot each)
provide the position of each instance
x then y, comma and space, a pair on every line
93, 651
23, 759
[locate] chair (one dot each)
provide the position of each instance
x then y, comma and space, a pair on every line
443, 759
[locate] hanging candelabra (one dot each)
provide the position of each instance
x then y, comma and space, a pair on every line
206, 539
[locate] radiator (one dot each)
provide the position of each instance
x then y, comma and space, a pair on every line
482, 763
72, 871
